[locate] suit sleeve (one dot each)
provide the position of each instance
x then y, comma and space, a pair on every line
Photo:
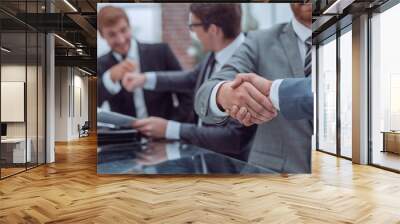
231, 138
296, 100
184, 112
177, 81
171, 60
102, 92
243, 61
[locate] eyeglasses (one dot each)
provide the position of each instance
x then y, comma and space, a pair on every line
191, 25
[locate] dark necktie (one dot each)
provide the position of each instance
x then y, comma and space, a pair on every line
210, 67
131, 95
307, 61
207, 74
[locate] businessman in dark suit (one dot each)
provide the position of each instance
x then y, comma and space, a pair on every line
217, 26
127, 55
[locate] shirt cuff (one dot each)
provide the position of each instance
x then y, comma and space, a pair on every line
151, 81
213, 102
173, 130
274, 93
172, 150
112, 87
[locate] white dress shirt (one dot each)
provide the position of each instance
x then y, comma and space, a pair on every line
302, 33
115, 87
221, 57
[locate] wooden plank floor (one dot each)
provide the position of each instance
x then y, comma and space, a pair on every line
69, 191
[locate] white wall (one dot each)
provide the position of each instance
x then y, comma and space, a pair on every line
80, 103
12, 73
12, 101
33, 125
61, 103
70, 84
270, 14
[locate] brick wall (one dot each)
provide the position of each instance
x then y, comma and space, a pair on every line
175, 32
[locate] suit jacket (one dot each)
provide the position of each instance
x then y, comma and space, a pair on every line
153, 57
232, 139
296, 100
281, 145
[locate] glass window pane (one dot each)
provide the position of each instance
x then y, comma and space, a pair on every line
23, 86
14, 153
346, 94
385, 84
13, 85
327, 97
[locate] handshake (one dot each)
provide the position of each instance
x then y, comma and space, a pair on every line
126, 72
247, 99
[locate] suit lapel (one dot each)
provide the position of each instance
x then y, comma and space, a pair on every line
142, 56
201, 77
112, 60
291, 48
141, 48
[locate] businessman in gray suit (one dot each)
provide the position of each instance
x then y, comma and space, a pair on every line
217, 27
283, 51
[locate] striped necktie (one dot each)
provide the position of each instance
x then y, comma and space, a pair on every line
307, 61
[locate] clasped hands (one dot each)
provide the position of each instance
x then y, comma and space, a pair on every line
246, 99
126, 72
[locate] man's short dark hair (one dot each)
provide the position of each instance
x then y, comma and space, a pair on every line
227, 16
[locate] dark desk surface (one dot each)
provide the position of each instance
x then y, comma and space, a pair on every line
122, 157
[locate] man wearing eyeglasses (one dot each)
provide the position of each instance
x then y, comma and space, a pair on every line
281, 54
218, 28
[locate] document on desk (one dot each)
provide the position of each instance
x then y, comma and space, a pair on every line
114, 118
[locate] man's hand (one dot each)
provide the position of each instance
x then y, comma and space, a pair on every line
262, 84
153, 127
119, 70
241, 93
156, 153
131, 81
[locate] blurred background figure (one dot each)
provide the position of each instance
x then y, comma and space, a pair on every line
127, 55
